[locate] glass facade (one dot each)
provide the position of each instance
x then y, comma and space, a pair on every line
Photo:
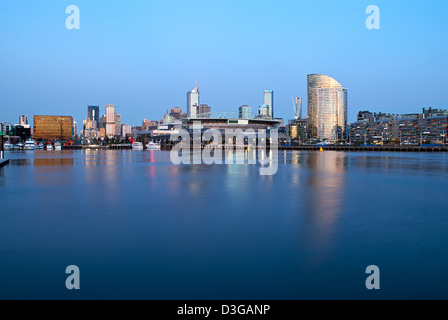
327, 108
269, 102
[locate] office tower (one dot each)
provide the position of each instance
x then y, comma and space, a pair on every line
269, 101
244, 112
298, 108
117, 125
192, 102
327, 108
110, 120
93, 114
23, 120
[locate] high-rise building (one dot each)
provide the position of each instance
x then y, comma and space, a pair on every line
327, 108
117, 125
110, 120
192, 102
269, 102
23, 120
93, 114
298, 108
126, 129
244, 112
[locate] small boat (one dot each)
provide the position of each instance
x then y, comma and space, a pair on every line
30, 145
40, 146
8, 146
49, 146
137, 146
18, 146
153, 146
57, 146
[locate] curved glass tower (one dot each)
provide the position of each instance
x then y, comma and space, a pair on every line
327, 108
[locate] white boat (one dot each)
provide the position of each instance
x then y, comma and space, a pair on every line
30, 145
7, 146
153, 146
40, 146
49, 146
18, 146
137, 146
57, 146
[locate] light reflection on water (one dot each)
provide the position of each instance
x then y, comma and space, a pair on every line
169, 231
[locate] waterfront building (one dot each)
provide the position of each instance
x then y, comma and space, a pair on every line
110, 120
430, 126
297, 129
53, 128
192, 102
244, 112
269, 102
327, 108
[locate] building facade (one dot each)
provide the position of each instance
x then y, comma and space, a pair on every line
327, 108
58, 128
117, 123
126, 129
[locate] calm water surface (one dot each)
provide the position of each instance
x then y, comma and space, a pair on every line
139, 227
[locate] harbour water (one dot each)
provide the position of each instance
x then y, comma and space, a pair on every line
139, 227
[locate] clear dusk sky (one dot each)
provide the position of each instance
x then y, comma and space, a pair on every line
143, 56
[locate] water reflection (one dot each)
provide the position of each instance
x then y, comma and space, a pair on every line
325, 190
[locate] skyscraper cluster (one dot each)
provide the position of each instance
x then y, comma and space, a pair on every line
99, 127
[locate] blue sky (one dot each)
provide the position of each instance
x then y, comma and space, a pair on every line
143, 56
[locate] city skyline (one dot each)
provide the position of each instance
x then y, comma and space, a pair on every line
155, 51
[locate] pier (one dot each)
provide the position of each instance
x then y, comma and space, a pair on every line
95, 147
370, 148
